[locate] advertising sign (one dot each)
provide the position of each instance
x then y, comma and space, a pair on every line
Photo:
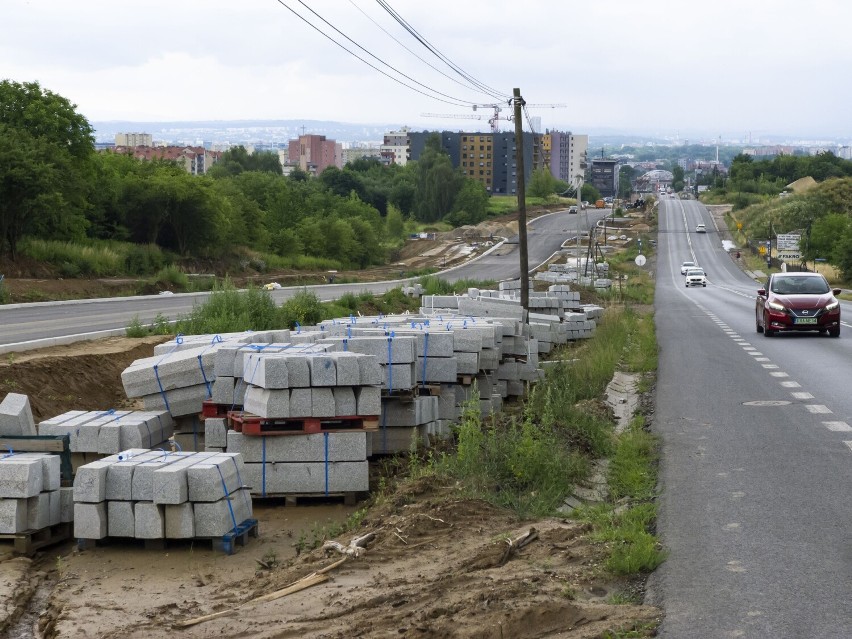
789, 241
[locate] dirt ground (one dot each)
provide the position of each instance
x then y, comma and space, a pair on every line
437, 568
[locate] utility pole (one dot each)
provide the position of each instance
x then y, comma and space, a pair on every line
518, 102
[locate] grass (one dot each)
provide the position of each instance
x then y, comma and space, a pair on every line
633, 461
434, 285
96, 258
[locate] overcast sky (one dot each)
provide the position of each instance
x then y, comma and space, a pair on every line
663, 67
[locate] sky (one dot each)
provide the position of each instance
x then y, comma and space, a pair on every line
669, 68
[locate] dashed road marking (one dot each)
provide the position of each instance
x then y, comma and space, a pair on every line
791, 384
848, 444
779, 374
817, 408
802, 395
760, 359
770, 366
838, 427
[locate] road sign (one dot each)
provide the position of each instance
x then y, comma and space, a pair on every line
739, 226
640, 260
761, 249
789, 241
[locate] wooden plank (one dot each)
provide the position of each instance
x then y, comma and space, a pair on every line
32, 445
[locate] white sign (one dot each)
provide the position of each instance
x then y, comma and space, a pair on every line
640, 260
788, 241
786, 255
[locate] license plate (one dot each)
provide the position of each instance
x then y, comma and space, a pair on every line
805, 320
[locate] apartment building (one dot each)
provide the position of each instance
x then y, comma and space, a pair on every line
195, 159
133, 139
313, 153
565, 154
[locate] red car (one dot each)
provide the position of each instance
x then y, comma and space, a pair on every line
797, 302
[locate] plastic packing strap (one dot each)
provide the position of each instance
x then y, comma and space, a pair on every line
325, 442
162, 428
262, 466
179, 449
111, 411
345, 344
390, 362
226, 496
148, 428
217, 339
298, 328
352, 319
425, 356
240, 482
349, 331
178, 342
472, 319
11, 453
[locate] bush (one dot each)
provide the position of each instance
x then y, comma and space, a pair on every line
303, 308
228, 310
142, 259
170, 277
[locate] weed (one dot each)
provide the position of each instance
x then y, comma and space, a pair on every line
135, 328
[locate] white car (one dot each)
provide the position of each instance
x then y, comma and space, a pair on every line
700, 229
696, 277
686, 266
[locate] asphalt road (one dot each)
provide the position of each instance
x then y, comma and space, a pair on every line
756, 470
39, 321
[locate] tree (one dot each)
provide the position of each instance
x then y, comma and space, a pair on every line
47, 150
677, 178
471, 204
542, 184
394, 224
342, 182
590, 193
437, 182
237, 159
626, 174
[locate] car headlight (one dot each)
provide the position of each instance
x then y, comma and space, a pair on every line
833, 305
775, 306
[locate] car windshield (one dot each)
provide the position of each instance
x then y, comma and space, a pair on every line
799, 286
688, 264
695, 271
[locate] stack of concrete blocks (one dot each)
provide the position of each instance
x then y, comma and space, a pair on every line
107, 432
592, 311
396, 355
602, 283
570, 299
154, 495
16, 415
543, 303
303, 464
178, 381
408, 422
30, 495
312, 385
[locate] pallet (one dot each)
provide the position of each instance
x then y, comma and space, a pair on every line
227, 543
256, 426
310, 499
209, 408
29, 541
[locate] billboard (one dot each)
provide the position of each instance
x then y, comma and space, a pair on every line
788, 241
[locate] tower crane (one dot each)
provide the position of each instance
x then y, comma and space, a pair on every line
494, 118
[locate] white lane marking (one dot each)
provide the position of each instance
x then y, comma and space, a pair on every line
749, 348
760, 359
818, 409
770, 365
757, 354
848, 444
791, 384
837, 426
777, 374
802, 395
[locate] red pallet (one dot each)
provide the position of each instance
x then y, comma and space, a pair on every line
255, 426
209, 408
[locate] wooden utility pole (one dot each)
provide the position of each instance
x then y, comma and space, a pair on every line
518, 102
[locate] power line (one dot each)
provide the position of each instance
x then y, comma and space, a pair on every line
395, 39
451, 100
405, 25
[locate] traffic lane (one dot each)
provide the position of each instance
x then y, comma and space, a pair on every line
744, 486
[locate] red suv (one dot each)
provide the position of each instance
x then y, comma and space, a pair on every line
797, 302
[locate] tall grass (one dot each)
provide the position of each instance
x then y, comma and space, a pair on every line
99, 258
229, 310
434, 285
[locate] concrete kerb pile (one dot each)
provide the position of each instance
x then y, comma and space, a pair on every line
16, 415
157, 495
108, 432
31, 498
573, 271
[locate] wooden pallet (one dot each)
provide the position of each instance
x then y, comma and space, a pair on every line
310, 499
29, 541
256, 426
227, 543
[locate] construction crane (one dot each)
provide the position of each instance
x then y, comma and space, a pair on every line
494, 118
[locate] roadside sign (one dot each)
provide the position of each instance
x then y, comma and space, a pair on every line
786, 255
640, 260
788, 241
739, 226
761, 249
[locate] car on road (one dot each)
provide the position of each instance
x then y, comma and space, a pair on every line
572, 209
685, 266
793, 302
700, 229
696, 277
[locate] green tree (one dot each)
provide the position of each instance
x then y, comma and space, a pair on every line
394, 224
471, 204
47, 150
342, 182
542, 184
437, 182
626, 175
677, 178
590, 193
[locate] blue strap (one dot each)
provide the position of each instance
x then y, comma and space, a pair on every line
326, 462
390, 363
262, 466
425, 358
349, 331
240, 482
11, 453
345, 344
298, 328
162, 390
227, 495
111, 411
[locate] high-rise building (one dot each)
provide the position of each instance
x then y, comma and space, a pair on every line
395, 146
313, 153
486, 157
133, 139
605, 176
565, 155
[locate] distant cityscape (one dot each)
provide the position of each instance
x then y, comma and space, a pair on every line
275, 134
